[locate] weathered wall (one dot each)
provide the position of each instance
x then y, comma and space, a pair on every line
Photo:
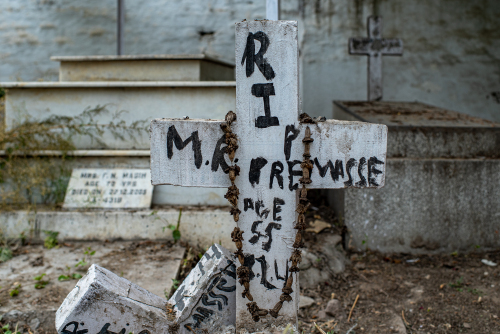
451, 56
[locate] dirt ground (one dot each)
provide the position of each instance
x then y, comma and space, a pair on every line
407, 294
453, 293
434, 294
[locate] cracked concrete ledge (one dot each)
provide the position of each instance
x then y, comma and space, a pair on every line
203, 227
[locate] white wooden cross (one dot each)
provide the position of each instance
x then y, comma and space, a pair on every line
192, 153
375, 47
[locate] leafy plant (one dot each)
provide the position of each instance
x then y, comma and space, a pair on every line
5, 254
40, 283
87, 254
6, 329
15, 291
69, 275
458, 285
51, 239
27, 176
175, 283
176, 233
475, 291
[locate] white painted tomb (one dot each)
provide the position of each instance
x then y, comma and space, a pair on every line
183, 67
271, 146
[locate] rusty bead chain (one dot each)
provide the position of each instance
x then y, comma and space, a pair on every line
232, 194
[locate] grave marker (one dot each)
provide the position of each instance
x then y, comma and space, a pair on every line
375, 47
109, 188
102, 302
275, 155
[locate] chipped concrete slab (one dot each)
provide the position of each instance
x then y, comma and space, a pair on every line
103, 301
206, 299
151, 265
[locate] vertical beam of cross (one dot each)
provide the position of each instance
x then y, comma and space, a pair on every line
121, 25
375, 47
273, 10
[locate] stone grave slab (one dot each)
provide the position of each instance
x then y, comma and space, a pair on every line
443, 192
206, 299
109, 188
187, 67
103, 302
204, 302
149, 264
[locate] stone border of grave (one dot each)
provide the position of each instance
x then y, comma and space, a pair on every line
200, 56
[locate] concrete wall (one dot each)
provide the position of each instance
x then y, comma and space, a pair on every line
450, 60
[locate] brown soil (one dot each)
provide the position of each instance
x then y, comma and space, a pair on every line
435, 294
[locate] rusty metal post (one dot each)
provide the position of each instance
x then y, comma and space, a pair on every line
121, 25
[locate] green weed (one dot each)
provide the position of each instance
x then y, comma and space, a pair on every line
51, 239
40, 283
15, 291
176, 233
87, 255
69, 275
458, 285
28, 178
6, 330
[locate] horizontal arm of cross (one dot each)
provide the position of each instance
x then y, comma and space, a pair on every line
371, 46
345, 154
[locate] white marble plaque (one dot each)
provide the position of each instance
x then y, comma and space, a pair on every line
109, 188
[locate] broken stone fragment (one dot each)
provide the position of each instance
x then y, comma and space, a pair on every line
103, 302
206, 299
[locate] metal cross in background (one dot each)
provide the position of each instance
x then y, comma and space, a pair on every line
273, 10
121, 25
375, 47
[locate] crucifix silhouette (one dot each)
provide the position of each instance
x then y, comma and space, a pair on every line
375, 47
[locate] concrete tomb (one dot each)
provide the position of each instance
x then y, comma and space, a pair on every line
268, 157
375, 47
139, 89
443, 191
103, 302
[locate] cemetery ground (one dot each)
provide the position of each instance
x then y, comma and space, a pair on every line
453, 293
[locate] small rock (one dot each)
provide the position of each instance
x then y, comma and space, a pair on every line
317, 226
333, 307
12, 315
34, 323
310, 278
466, 325
397, 324
360, 266
305, 301
489, 263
